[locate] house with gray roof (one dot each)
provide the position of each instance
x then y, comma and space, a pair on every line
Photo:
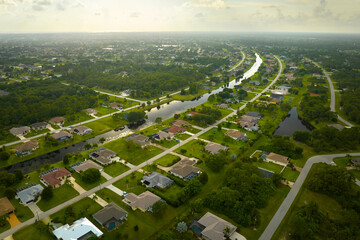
29, 193
26, 148
111, 216
83, 166
143, 201
214, 148
102, 155
62, 136
138, 139
156, 179
40, 126
212, 227
20, 131
185, 169
81, 130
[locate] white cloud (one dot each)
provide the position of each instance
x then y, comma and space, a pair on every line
205, 4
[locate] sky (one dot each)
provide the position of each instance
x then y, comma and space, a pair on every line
17, 16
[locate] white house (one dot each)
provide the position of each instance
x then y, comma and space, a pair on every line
80, 229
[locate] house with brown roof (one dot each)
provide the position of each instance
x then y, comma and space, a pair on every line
5, 206
91, 111
143, 201
83, 166
111, 216
81, 130
55, 177
20, 131
214, 148
185, 169
236, 135
174, 129
138, 139
211, 227
103, 156
26, 148
180, 123
62, 136
40, 126
57, 121
115, 105
277, 159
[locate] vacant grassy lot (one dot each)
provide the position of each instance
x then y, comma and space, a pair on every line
105, 124
83, 208
131, 153
115, 169
131, 183
86, 185
194, 148
35, 231
167, 160
22, 212
61, 194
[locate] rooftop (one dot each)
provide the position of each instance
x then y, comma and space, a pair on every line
77, 230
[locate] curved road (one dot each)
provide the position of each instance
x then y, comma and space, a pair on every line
281, 212
332, 94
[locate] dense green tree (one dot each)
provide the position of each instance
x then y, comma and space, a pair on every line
91, 175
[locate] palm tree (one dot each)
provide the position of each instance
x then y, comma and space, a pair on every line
226, 232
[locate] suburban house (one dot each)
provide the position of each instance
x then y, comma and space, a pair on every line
222, 105
40, 126
249, 126
180, 123
5, 206
20, 131
255, 82
102, 155
174, 129
214, 148
190, 114
276, 158
156, 179
111, 216
91, 111
62, 136
138, 139
249, 119
236, 135
29, 193
26, 148
55, 177
211, 227
80, 229
284, 88
336, 126
161, 135
81, 130
115, 105
83, 166
143, 201
185, 169
277, 96
255, 115
57, 121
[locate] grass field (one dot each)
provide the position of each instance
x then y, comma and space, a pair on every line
115, 169
132, 154
167, 160
22, 212
182, 136
83, 208
130, 183
105, 124
61, 194
194, 148
35, 231
345, 162
85, 185
166, 143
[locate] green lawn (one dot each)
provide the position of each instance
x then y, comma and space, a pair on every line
35, 231
22, 212
147, 223
105, 125
131, 183
84, 208
8, 138
34, 133
167, 160
290, 175
79, 117
115, 169
269, 166
345, 162
134, 155
194, 148
182, 136
266, 214
61, 194
192, 129
5, 227
167, 143
85, 185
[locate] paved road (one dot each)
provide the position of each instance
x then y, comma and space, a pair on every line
63, 128
332, 94
281, 212
135, 168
